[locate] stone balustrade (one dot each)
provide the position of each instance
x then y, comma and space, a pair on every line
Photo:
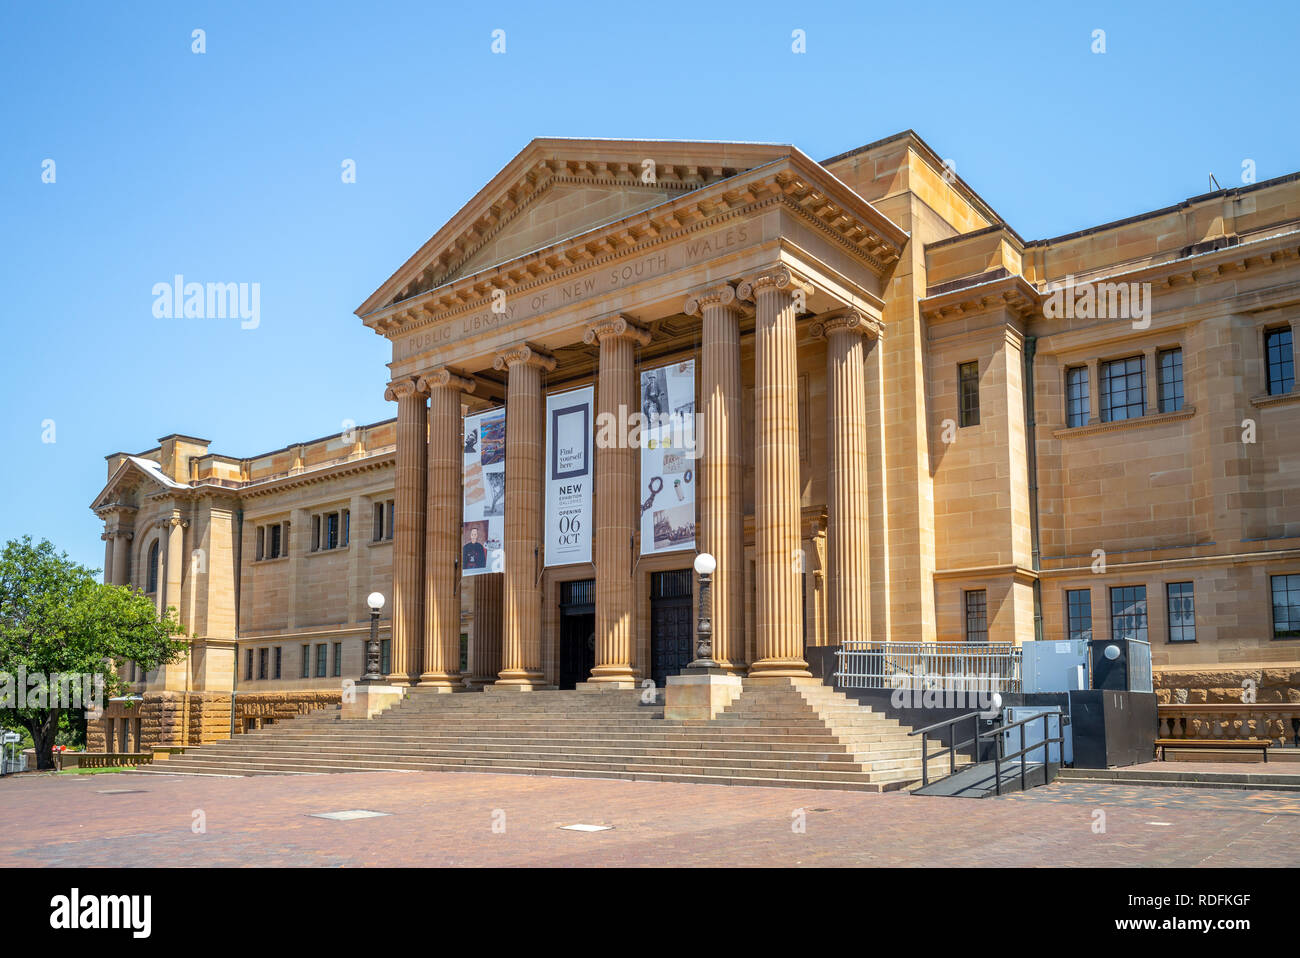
1278, 722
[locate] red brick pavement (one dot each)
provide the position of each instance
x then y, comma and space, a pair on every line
447, 819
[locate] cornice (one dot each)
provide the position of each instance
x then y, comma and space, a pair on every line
340, 470
1013, 293
1150, 419
865, 233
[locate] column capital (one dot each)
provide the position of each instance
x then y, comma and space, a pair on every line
174, 521
444, 378
779, 277
401, 389
523, 355
847, 320
617, 326
718, 294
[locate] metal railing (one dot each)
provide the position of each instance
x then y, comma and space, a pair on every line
996, 733
944, 666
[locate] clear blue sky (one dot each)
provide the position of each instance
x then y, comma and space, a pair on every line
225, 167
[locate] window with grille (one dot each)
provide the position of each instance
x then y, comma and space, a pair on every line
262, 658
279, 661
152, 580
248, 665
1078, 614
1123, 389
338, 659
977, 622
968, 379
1281, 360
305, 671
1182, 611
1077, 400
379, 522
1128, 612
332, 530
1286, 606
322, 650
1171, 380
385, 656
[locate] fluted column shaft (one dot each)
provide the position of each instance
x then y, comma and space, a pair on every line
521, 646
848, 340
722, 532
778, 553
617, 465
408, 531
442, 530
174, 563
485, 651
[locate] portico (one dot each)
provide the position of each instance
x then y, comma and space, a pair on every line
750, 262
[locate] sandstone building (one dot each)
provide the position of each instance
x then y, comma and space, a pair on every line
916, 426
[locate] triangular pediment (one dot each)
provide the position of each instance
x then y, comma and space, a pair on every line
134, 479
556, 189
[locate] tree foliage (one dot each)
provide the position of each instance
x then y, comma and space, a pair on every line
56, 618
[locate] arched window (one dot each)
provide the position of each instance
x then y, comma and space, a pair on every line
152, 585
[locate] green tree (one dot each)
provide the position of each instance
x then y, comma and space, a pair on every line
57, 619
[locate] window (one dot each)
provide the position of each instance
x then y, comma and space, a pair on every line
322, 650
1123, 393
1078, 614
1182, 612
1171, 380
276, 534
305, 671
385, 656
248, 665
1077, 408
261, 535
464, 652
1280, 359
338, 658
977, 623
1286, 606
262, 657
315, 533
273, 541
968, 379
279, 661
347, 522
379, 522
332, 530
1128, 612
152, 580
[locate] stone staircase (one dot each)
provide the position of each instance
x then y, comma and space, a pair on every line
806, 736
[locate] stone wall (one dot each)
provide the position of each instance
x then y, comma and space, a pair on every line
172, 719
1214, 686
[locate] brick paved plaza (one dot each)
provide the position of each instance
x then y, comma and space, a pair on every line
447, 819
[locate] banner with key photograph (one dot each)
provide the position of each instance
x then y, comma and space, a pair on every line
668, 458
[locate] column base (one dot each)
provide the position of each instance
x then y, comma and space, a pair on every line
400, 681
620, 675
601, 685
772, 678
441, 682
699, 695
795, 668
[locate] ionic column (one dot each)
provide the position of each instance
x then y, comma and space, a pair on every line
408, 531
722, 532
849, 336
174, 562
778, 643
616, 501
485, 650
521, 646
442, 530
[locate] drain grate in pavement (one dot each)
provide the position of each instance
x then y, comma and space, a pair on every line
351, 814
121, 791
587, 828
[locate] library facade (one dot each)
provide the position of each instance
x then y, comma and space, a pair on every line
887, 416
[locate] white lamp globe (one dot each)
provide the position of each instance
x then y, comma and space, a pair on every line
705, 564
1112, 652
375, 600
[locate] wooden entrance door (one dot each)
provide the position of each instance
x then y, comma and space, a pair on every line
670, 624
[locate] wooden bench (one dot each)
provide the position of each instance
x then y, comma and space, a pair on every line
1211, 743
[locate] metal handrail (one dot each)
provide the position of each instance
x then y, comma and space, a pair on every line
953, 744
998, 757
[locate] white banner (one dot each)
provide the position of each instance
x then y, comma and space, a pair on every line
669, 467
569, 476
483, 526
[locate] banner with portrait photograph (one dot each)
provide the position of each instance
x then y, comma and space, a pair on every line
483, 525
669, 463
569, 476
